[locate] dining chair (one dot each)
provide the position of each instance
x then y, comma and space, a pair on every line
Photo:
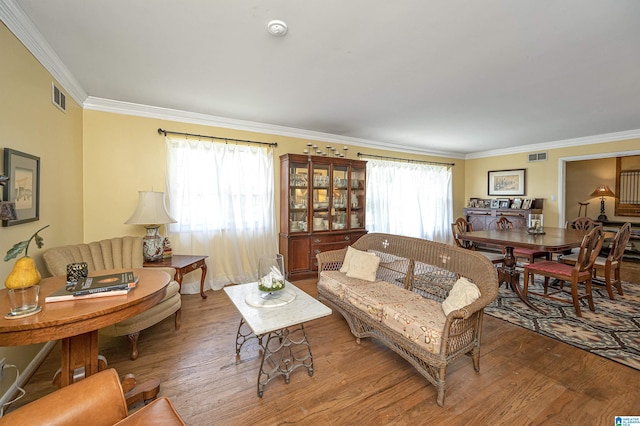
609, 265
579, 273
582, 224
460, 226
530, 254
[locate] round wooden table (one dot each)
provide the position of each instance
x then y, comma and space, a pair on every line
77, 322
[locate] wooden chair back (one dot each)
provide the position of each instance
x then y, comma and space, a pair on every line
620, 243
582, 224
460, 226
589, 249
503, 223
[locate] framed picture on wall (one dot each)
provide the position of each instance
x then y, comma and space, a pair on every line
506, 182
23, 187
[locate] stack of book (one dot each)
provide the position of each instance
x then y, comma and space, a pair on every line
99, 286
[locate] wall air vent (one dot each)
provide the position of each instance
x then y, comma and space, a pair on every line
538, 156
58, 98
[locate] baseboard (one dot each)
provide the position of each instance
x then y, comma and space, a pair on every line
25, 375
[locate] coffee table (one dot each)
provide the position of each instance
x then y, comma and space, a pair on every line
280, 320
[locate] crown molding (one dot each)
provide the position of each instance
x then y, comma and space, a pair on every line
587, 140
24, 30
127, 108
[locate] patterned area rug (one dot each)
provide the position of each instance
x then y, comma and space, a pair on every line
612, 331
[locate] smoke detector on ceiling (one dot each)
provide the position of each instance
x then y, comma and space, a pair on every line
277, 28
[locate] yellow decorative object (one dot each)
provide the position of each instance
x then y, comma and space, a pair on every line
24, 274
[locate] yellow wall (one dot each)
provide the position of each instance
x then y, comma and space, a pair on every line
30, 123
542, 176
125, 154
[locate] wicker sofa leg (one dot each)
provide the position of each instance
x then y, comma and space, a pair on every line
133, 338
440, 386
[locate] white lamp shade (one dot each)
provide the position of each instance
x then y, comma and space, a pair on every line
151, 210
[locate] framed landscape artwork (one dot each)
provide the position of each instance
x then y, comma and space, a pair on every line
23, 187
506, 182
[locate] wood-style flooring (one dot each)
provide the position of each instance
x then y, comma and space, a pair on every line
524, 378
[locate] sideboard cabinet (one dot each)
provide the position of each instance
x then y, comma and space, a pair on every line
486, 218
322, 207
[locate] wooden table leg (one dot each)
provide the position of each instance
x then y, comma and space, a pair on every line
510, 275
204, 274
79, 351
80, 359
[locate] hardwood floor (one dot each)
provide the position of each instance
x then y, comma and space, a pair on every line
524, 378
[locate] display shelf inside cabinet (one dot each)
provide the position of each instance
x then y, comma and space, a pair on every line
322, 207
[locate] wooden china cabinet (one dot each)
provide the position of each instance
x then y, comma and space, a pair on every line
322, 207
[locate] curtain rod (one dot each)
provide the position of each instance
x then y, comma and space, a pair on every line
166, 132
360, 154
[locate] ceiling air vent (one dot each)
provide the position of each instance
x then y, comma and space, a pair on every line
538, 156
58, 98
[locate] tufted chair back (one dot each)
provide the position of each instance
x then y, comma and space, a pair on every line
114, 253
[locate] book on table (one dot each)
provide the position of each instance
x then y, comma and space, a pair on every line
98, 286
104, 283
62, 295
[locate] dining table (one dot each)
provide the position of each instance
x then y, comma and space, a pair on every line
76, 324
553, 240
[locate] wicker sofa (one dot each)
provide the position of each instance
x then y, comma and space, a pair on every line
118, 253
401, 304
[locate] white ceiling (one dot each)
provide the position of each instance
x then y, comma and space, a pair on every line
434, 76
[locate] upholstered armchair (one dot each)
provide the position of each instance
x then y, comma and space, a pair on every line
118, 253
97, 400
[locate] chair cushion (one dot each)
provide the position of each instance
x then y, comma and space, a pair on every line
555, 269
421, 321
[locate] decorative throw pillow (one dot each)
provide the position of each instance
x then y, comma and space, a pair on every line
462, 293
363, 265
347, 258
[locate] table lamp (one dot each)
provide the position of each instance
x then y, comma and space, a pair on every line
602, 191
151, 212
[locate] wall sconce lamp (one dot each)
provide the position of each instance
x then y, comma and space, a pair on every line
7, 208
151, 212
602, 191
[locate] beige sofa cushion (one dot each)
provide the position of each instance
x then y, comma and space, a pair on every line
463, 293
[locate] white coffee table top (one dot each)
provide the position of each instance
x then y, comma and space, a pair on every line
266, 319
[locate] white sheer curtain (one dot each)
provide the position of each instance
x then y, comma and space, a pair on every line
222, 196
410, 199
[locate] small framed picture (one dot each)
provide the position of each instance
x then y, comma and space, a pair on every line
487, 203
526, 204
495, 203
23, 187
517, 203
504, 203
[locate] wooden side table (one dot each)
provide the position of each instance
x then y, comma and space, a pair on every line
183, 264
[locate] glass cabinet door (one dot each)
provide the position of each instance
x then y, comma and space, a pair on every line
298, 196
357, 206
340, 197
321, 197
